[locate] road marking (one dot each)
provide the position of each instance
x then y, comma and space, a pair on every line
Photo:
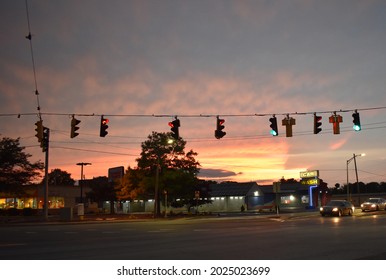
201, 229
161, 230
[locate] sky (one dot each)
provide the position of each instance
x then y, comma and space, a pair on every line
141, 63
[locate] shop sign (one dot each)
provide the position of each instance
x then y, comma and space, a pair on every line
309, 174
310, 181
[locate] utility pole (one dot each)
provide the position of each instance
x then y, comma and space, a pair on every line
356, 174
81, 178
156, 190
46, 149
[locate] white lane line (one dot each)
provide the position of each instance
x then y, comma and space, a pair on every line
201, 229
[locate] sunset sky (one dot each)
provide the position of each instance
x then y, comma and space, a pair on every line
141, 62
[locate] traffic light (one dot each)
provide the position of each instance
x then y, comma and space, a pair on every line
39, 130
317, 124
274, 131
174, 125
74, 127
288, 122
45, 140
218, 133
335, 120
356, 121
103, 127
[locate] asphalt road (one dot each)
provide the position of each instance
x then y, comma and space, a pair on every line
309, 237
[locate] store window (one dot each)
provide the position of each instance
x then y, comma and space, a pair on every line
288, 199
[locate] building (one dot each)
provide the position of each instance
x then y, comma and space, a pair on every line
224, 197
230, 197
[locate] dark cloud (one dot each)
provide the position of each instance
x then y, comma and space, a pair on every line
217, 173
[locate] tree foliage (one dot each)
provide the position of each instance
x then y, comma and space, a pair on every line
16, 170
102, 190
58, 177
372, 187
177, 170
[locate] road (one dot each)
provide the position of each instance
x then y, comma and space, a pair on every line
224, 238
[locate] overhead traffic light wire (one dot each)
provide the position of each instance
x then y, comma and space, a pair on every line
191, 115
29, 37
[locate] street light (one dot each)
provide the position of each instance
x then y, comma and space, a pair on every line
81, 178
356, 173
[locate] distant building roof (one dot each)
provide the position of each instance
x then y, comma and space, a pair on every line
232, 189
249, 189
286, 188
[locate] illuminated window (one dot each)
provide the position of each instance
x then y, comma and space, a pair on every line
305, 199
288, 199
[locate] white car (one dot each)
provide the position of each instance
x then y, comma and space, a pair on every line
373, 204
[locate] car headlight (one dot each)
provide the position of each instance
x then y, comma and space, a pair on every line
335, 209
362, 205
373, 205
321, 209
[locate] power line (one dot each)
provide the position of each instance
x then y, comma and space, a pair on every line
29, 37
93, 151
193, 115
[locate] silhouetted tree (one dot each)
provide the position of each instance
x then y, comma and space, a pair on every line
58, 177
16, 170
102, 190
177, 170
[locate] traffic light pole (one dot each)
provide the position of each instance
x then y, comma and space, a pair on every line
45, 206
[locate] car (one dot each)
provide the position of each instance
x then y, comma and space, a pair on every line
374, 204
337, 208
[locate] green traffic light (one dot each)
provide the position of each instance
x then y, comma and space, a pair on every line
356, 121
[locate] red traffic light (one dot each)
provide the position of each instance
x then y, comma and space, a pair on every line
103, 127
174, 128
218, 133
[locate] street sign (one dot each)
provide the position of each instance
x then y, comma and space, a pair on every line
310, 181
116, 173
309, 174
